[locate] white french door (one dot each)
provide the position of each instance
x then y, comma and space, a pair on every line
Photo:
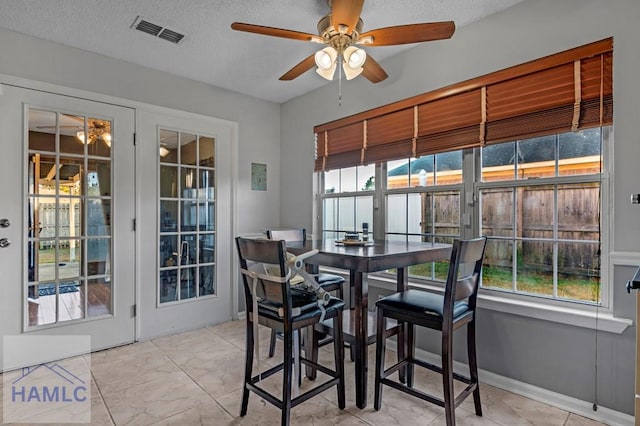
67, 174
185, 221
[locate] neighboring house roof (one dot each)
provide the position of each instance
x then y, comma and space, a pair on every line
572, 145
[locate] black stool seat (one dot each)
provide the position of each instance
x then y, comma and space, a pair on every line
420, 302
271, 311
329, 282
445, 313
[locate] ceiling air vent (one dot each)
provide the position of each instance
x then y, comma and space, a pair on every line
156, 30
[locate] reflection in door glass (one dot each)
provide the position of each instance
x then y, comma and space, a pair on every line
72, 134
99, 296
68, 217
42, 304
188, 149
98, 178
69, 259
207, 280
168, 182
168, 148
168, 216
187, 197
99, 140
98, 217
42, 130
188, 283
168, 285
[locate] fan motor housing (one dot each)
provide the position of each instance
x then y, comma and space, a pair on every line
338, 38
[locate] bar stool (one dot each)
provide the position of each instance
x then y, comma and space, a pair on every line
271, 302
328, 282
445, 313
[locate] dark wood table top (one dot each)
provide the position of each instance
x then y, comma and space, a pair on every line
379, 256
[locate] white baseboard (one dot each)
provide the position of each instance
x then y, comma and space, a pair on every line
564, 402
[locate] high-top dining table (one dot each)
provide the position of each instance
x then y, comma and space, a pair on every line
360, 260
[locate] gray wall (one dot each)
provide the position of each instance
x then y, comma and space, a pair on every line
258, 120
550, 355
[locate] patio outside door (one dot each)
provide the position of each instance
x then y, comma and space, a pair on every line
67, 170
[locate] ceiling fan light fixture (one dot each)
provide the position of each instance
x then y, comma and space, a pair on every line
80, 136
326, 62
106, 137
163, 151
351, 73
325, 58
354, 57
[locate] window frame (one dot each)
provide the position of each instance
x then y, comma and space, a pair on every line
471, 222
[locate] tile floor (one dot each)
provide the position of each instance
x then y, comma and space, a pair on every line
195, 378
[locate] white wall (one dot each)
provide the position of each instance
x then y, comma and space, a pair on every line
546, 354
258, 120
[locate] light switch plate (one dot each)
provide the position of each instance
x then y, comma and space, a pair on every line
635, 198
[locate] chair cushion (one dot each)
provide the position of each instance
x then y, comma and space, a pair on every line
331, 308
329, 282
418, 301
323, 278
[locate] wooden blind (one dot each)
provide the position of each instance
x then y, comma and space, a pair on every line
570, 90
449, 123
390, 136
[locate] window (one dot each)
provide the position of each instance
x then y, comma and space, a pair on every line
539, 203
348, 200
540, 210
423, 204
187, 216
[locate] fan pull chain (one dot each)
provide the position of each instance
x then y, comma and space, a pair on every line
339, 86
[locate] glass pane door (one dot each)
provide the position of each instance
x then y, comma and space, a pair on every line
187, 231
69, 210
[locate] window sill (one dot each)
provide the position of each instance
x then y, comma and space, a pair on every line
602, 319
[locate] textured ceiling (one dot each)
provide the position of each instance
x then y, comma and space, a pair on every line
211, 52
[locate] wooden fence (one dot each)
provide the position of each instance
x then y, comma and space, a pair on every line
533, 218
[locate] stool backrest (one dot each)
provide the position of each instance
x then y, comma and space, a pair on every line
463, 278
287, 234
254, 254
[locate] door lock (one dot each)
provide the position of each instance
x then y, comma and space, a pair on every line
4, 242
4, 223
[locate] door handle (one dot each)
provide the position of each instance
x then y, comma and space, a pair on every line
4, 223
634, 283
4, 242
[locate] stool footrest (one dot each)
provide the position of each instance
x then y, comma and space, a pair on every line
295, 401
413, 392
438, 369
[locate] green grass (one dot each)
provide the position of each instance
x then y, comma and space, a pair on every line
569, 287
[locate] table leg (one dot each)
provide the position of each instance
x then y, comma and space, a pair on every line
361, 302
402, 284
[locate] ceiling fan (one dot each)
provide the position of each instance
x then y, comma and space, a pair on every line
98, 129
341, 31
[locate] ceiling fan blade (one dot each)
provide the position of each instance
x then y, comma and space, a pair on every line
372, 70
305, 65
412, 33
274, 32
346, 12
